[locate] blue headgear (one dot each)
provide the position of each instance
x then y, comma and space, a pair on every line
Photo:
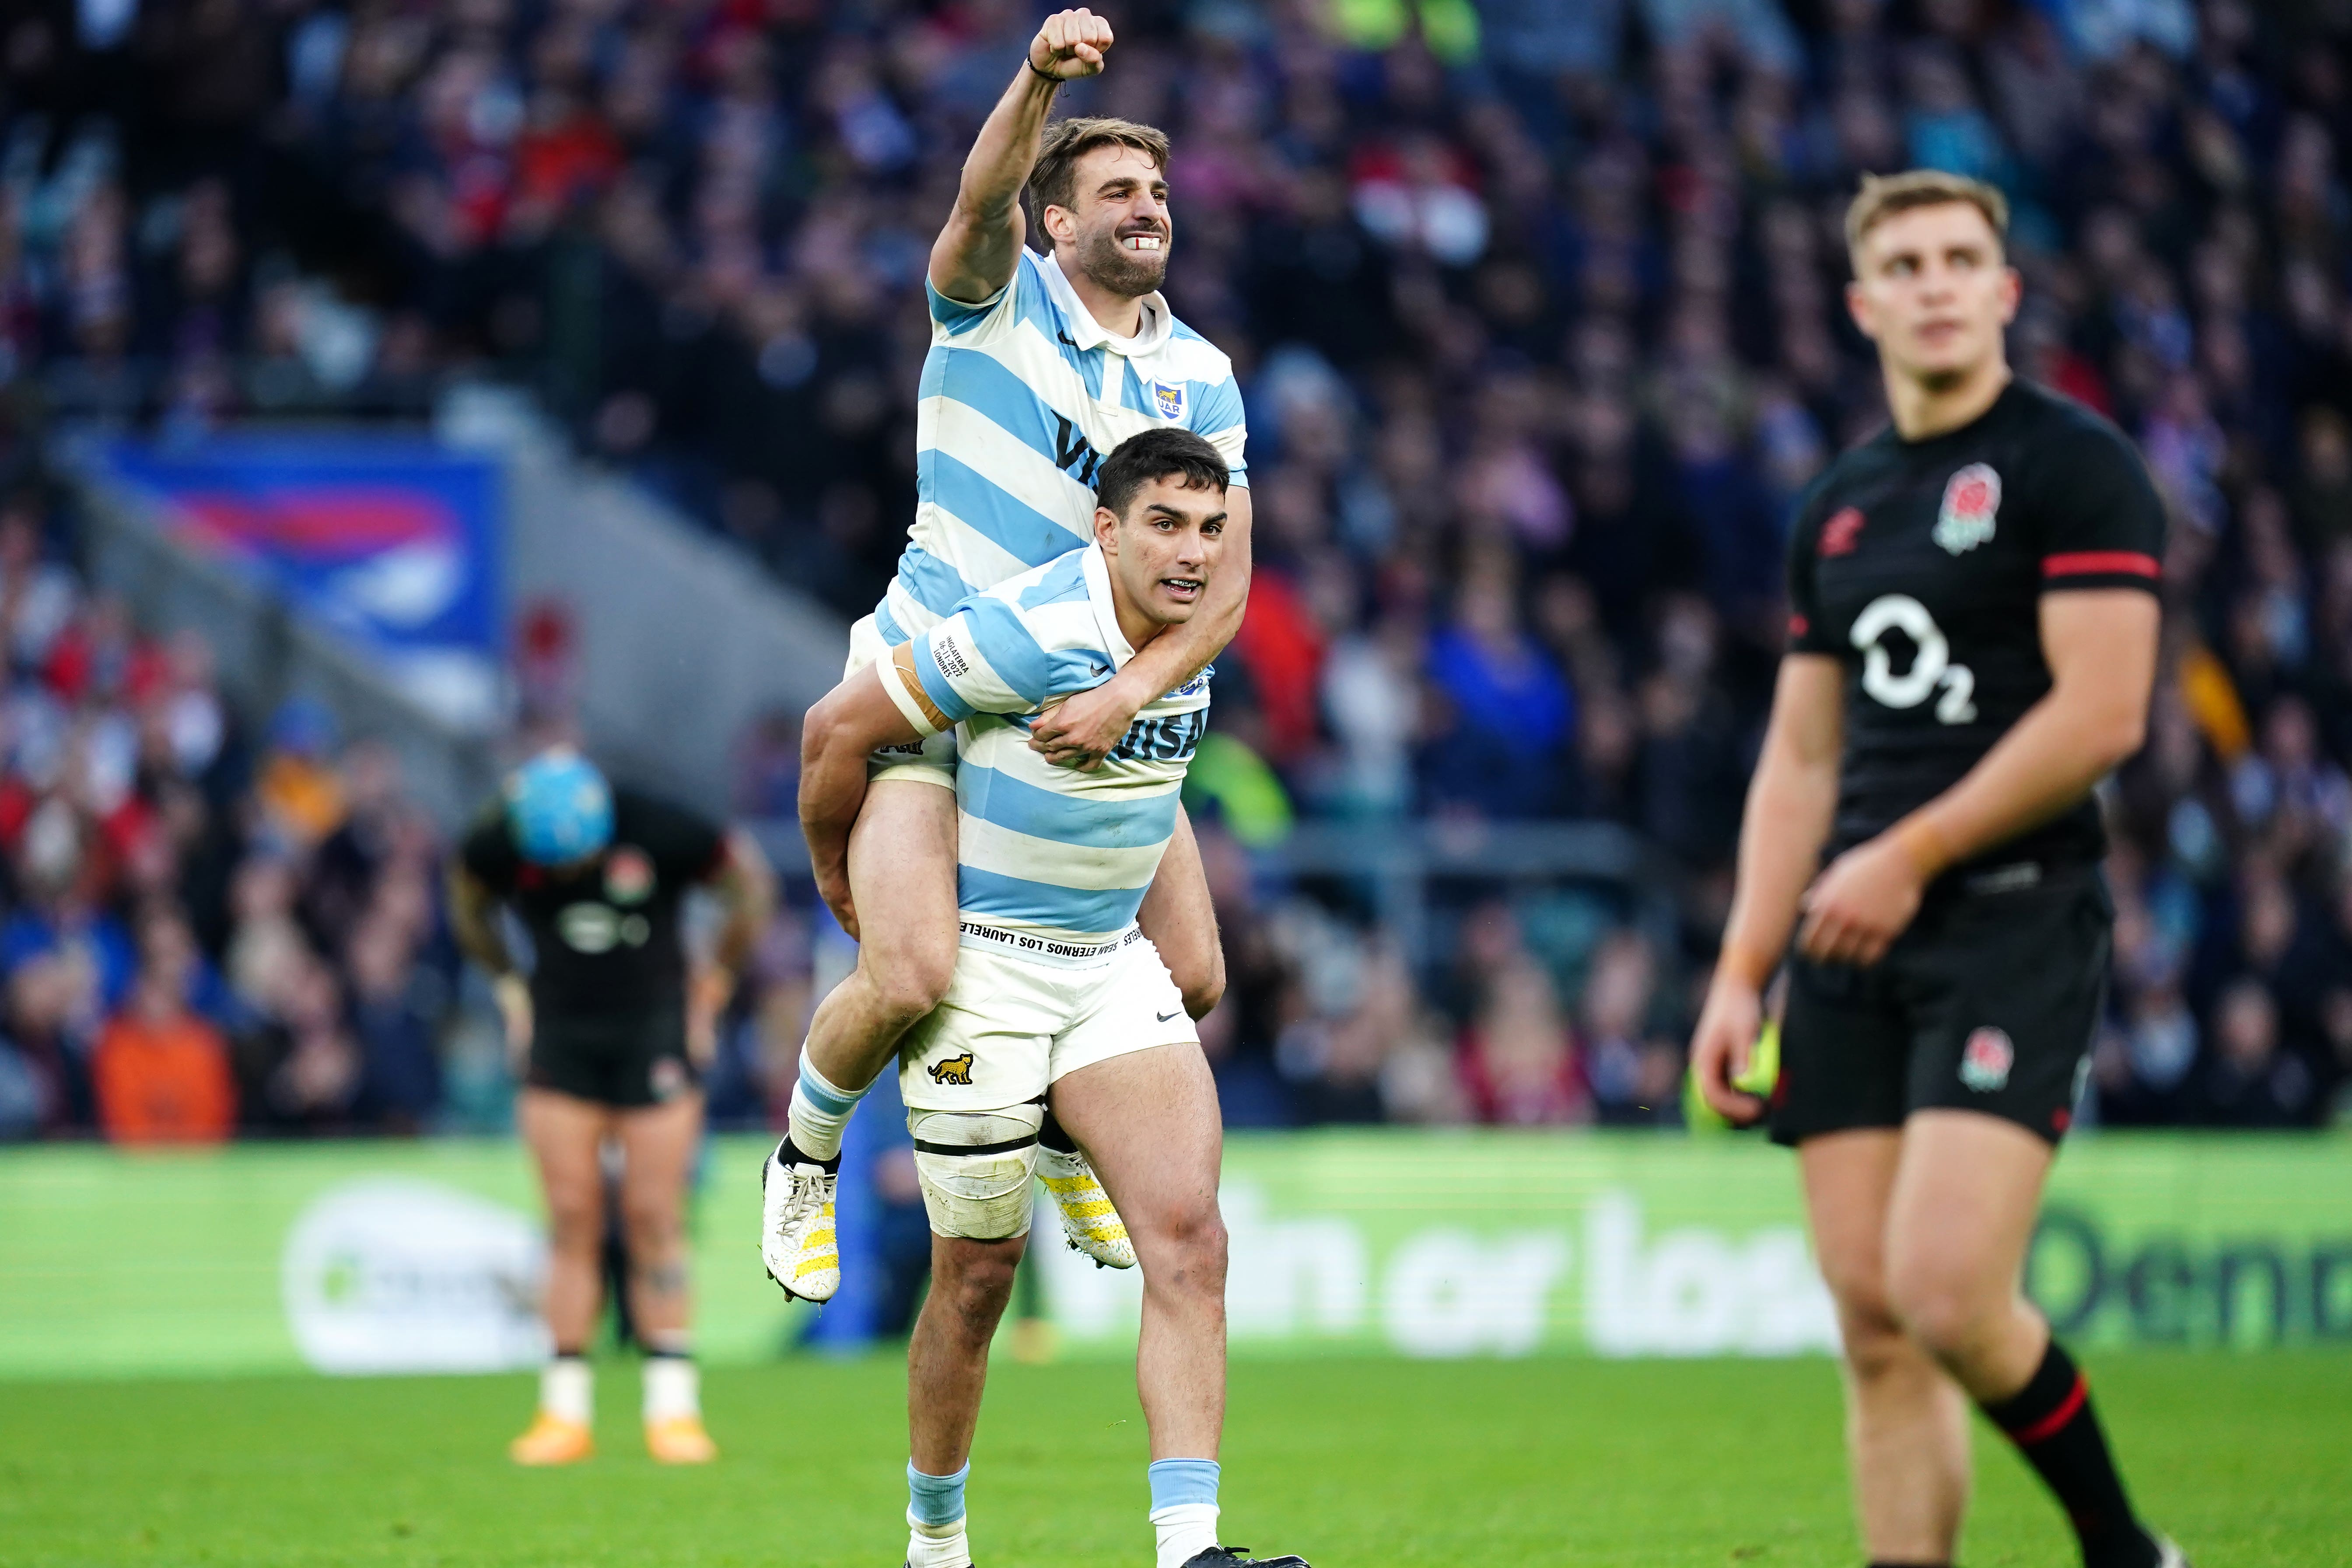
559, 807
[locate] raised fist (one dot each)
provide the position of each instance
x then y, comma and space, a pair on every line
1070, 45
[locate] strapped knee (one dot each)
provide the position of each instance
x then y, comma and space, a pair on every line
977, 1169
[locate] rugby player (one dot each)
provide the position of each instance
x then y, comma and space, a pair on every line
616, 1033
1058, 998
1972, 640
1039, 365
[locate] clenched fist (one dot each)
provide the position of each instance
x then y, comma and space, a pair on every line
1070, 45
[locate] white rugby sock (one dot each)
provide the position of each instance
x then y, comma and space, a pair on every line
1185, 1531
673, 1387
567, 1391
821, 1109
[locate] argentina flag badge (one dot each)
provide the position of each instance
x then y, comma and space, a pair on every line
1168, 400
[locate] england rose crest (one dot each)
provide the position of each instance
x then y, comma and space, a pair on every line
1985, 1060
1971, 499
628, 875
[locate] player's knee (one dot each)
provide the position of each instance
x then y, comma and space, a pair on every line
1187, 1238
1942, 1308
574, 1224
654, 1226
908, 983
973, 1281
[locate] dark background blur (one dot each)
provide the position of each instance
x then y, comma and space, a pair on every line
1536, 307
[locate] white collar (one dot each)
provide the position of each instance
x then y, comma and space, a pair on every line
1159, 320
1106, 608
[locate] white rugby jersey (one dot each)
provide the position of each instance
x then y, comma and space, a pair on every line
1052, 852
1023, 397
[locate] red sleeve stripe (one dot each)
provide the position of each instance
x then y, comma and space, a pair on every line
2085, 563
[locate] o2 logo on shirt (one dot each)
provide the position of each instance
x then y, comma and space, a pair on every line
592, 928
1931, 670
1170, 739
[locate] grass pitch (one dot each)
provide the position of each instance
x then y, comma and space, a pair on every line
1354, 1464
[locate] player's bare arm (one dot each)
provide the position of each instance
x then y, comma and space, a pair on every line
474, 922
2100, 645
1080, 732
846, 726
1785, 824
976, 253
745, 885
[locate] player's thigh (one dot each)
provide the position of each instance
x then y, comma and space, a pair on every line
1149, 1123
973, 1074
1966, 1198
1848, 1181
657, 1149
902, 878
1179, 916
566, 1138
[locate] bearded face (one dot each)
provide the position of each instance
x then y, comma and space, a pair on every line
1120, 220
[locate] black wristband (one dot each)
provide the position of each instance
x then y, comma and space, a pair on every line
1049, 76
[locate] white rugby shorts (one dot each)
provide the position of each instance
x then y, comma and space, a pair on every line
1010, 1026
930, 759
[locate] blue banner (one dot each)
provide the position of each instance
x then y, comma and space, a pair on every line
392, 542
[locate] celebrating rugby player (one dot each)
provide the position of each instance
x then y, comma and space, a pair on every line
1059, 1000
1041, 362
1971, 646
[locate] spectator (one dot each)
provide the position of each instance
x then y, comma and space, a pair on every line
161, 1071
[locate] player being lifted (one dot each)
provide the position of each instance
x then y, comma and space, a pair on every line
1039, 364
1972, 642
616, 1036
1059, 1001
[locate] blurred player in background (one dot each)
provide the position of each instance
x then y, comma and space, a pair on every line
1973, 643
616, 1036
1039, 365
1058, 996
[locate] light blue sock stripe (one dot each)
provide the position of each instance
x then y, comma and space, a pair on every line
828, 1097
1177, 1481
936, 1499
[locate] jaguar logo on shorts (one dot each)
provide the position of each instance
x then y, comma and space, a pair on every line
1971, 498
955, 1069
628, 875
1986, 1059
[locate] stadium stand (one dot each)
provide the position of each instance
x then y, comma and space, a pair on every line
1537, 311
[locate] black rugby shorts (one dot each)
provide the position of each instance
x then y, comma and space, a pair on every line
1987, 1003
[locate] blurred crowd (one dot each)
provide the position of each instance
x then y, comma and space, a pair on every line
204, 931
1537, 311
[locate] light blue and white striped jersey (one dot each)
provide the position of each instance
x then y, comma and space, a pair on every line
1023, 397
1053, 853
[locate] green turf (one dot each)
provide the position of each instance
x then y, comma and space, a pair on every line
1355, 1464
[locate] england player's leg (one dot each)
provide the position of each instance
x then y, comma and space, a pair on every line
565, 1134
1906, 1421
1961, 1217
657, 1144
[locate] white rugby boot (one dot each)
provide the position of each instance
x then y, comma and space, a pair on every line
796, 1236
1088, 1220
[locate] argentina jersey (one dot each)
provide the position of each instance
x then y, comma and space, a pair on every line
1054, 854
1022, 398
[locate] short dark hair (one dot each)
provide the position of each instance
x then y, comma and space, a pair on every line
1154, 455
1053, 179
